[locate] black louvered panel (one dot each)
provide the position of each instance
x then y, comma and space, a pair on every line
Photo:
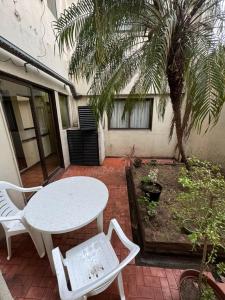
75, 143
86, 118
83, 147
91, 150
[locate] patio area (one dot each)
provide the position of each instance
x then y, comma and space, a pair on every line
30, 277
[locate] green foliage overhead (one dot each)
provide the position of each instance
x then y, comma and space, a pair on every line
114, 42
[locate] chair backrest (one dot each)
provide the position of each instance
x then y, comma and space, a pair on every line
7, 207
65, 294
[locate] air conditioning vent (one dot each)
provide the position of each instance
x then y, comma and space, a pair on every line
87, 118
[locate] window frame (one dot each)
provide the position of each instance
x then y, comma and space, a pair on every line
151, 100
33, 85
68, 110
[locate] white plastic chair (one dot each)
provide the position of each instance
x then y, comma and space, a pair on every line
92, 266
12, 219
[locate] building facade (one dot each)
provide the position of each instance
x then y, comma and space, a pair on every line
37, 105
35, 102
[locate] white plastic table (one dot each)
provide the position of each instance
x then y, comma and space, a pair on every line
66, 205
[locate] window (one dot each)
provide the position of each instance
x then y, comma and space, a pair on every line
64, 109
52, 7
139, 118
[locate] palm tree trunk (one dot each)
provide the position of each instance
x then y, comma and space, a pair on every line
175, 75
176, 83
179, 128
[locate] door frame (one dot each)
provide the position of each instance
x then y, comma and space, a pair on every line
32, 85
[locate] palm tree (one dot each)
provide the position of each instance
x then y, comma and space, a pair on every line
160, 44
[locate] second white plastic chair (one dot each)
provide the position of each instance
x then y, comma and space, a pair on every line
12, 219
93, 265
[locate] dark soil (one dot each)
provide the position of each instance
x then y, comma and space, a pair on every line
164, 227
189, 289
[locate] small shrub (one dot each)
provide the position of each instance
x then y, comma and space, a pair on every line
152, 177
150, 206
152, 162
137, 162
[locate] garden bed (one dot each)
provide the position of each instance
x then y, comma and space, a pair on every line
161, 233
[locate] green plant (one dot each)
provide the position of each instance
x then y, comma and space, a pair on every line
202, 202
151, 207
152, 162
207, 293
155, 46
151, 177
137, 162
221, 268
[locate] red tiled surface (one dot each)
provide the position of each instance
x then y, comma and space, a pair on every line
30, 277
33, 176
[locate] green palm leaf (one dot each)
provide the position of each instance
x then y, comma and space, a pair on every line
159, 44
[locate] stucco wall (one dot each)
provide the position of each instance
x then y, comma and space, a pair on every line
28, 25
210, 145
148, 143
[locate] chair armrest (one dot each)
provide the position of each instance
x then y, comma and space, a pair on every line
114, 225
61, 276
10, 186
12, 218
32, 189
58, 261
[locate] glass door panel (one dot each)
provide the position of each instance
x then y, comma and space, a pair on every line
46, 125
16, 102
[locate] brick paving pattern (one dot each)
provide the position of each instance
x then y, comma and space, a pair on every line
30, 277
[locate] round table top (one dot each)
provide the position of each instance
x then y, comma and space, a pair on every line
66, 204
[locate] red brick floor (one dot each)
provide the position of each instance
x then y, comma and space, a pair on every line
30, 277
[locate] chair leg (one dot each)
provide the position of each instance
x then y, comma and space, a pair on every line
9, 249
120, 286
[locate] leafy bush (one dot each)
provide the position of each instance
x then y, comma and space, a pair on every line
202, 202
151, 206
152, 177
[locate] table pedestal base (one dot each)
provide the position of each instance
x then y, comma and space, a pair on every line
47, 238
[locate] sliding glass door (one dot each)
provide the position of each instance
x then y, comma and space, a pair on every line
45, 121
32, 126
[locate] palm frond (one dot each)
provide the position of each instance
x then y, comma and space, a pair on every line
116, 42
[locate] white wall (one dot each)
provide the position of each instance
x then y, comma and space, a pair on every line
210, 145
28, 25
155, 143
148, 143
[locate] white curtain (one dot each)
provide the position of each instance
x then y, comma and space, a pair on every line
116, 118
139, 117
